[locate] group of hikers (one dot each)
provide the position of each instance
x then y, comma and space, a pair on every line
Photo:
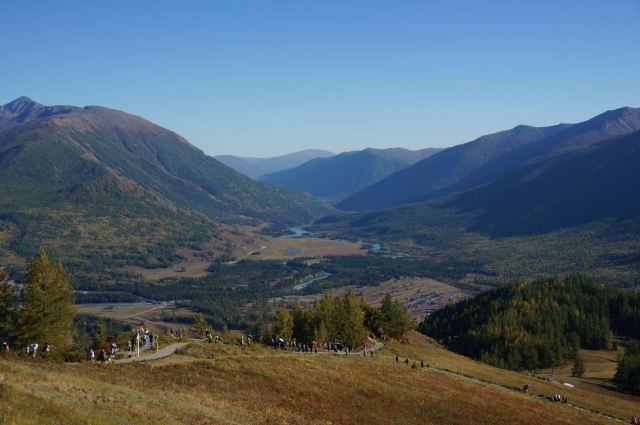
30, 349
103, 354
308, 347
141, 339
407, 361
557, 398
176, 332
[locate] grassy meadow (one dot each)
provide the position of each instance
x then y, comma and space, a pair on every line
228, 384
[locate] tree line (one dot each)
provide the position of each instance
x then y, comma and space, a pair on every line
342, 319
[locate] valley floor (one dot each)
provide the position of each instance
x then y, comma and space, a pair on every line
227, 384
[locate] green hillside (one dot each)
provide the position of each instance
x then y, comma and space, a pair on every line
527, 326
101, 185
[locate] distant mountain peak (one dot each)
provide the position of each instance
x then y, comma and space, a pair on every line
21, 105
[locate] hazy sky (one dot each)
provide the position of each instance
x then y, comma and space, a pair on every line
269, 77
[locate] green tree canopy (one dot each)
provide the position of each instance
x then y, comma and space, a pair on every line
282, 326
395, 319
47, 313
7, 308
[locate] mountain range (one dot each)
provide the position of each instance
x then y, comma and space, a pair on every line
339, 176
521, 202
72, 172
483, 160
256, 167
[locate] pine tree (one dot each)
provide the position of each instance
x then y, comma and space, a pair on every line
326, 314
395, 318
200, 324
282, 326
7, 308
99, 335
47, 313
352, 319
578, 367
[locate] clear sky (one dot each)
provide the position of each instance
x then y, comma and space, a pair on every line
260, 78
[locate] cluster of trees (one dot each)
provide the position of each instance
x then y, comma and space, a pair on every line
339, 318
43, 311
536, 324
627, 376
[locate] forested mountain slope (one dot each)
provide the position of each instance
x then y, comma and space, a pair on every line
339, 176
486, 158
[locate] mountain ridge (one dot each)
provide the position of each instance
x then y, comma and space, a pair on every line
464, 166
337, 177
256, 167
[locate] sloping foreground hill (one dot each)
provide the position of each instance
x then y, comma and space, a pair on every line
225, 384
256, 167
487, 158
339, 176
73, 176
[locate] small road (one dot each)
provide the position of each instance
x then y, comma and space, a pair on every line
165, 352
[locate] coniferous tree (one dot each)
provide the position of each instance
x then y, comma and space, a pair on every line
282, 326
200, 324
627, 377
326, 314
352, 320
395, 318
302, 324
7, 309
100, 335
47, 312
578, 367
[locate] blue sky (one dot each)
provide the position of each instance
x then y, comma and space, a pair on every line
269, 77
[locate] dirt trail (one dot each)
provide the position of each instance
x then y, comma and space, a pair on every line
165, 352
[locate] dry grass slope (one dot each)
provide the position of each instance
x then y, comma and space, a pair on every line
224, 384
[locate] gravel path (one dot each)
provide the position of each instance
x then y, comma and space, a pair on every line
155, 355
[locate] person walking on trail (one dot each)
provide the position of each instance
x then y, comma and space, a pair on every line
46, 350
421, 363
91, 355
5, 347
397, 359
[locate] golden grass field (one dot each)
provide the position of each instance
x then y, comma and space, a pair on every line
228, 384
287, 248
600, 365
